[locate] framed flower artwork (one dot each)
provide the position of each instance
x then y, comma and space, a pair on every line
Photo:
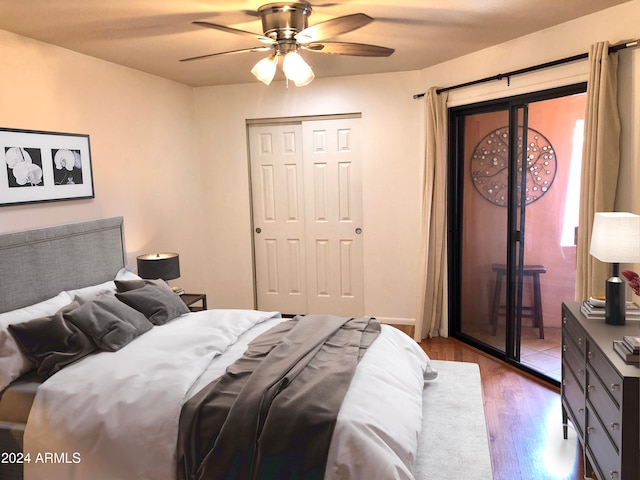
44, 167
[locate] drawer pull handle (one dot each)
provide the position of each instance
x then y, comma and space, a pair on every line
579, 340
614, 425
564, 348
614, 387
589, 430
564, 381
590, 388
613, 474
581, 411
580, 372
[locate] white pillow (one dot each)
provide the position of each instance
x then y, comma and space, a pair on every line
86, 294
13, 363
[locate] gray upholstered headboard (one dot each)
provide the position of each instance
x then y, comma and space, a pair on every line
38, 264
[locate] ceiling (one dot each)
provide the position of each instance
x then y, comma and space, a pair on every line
153, 35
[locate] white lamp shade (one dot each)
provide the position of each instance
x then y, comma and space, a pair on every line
297, 70
265, 69
616, 237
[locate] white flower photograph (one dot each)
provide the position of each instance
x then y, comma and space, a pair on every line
38, 166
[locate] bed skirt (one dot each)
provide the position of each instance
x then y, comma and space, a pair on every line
11, 435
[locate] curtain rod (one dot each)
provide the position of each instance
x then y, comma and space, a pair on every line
554, 63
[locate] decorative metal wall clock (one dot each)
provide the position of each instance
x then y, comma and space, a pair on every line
490, 161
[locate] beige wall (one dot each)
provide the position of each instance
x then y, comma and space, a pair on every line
143, 150
615, 25
391, 122
394, 126
173, 160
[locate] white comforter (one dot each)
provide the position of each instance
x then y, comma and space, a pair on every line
115, 415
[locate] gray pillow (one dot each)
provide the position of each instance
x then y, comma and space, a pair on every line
110, 323
51, 342
158, 304
126, 285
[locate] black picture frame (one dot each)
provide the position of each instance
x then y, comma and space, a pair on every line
37, 166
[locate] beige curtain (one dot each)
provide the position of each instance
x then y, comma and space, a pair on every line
600, 162
432, 302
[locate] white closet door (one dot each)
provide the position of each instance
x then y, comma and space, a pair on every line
307, 215
278, 217
333, 211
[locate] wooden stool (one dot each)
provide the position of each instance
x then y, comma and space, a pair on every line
530, 311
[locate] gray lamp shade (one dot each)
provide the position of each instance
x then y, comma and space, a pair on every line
159, 265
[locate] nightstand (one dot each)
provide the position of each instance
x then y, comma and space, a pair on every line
190, 298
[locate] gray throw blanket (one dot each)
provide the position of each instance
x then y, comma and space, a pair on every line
272, 415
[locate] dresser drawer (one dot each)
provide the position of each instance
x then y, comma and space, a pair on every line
607, 410
576, 333
607, 374
574, 358
605, 456
574, 398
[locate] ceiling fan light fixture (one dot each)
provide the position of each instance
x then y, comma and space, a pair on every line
265, 69
285, 29
297, 70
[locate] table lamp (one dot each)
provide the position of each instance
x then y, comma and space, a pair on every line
615, 239
159, 265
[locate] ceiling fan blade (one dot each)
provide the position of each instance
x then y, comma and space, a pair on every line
333, 28
345, 48
230, 52
224, 28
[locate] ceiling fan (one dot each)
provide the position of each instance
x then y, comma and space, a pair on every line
286, 32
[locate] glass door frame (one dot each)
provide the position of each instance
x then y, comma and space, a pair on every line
516, 106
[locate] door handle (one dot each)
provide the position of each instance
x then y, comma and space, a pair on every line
258, 230
358, 231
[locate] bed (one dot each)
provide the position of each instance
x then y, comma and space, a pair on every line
116, 413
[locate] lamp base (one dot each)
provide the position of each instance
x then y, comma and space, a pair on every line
615, 307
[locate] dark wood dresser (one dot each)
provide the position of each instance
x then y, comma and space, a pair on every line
600, 394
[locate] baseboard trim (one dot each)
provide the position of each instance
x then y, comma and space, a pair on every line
397, 321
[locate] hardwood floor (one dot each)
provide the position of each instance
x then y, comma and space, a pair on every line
524, 420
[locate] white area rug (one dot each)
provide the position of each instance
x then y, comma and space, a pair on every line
453, 443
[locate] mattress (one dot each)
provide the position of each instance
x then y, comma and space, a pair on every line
17, 398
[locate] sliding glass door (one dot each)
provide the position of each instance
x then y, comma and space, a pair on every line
513, 212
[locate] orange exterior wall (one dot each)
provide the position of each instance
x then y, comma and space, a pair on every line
484, 241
